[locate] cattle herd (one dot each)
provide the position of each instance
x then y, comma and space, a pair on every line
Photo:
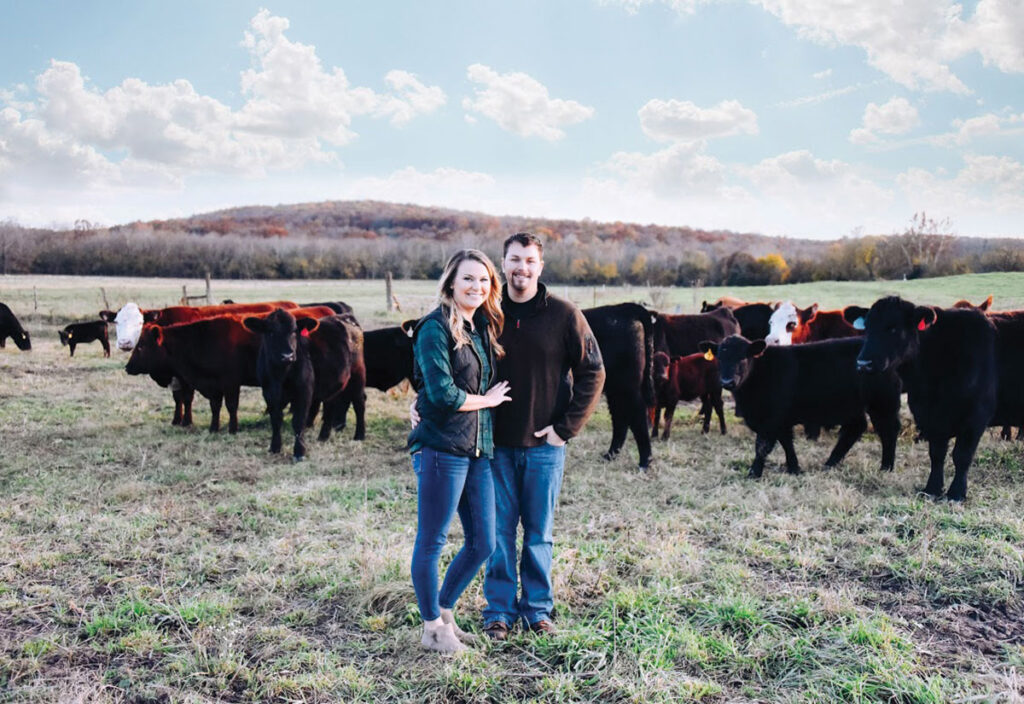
785, 366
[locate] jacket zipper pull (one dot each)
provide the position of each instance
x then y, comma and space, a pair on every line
517, 323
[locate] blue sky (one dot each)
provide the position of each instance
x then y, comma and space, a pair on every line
812, 118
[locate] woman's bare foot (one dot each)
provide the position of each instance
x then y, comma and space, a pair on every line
448, 616
439, 636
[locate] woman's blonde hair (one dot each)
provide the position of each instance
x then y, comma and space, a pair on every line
491, 306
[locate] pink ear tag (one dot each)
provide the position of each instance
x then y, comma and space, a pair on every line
921, 325
305, 332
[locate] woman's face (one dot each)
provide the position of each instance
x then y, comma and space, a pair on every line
471, 286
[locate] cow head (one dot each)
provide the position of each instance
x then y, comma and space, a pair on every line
706, 307
734, 355
128, 322
148, 354
22, 340
280, 333
786, 319
892, 329
660, 370
65, 337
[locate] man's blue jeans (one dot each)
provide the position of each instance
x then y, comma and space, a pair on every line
446, 484
527, 481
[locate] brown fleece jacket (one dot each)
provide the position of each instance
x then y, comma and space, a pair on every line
553, 366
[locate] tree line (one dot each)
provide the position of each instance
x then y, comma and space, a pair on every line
366, 240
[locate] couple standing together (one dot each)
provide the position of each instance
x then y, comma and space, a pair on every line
505, 378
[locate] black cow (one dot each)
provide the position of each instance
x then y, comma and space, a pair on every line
388, 354
10, 327
778, 387
686, 379
302, 361
1010, 355
947, 360
680, 335
80, 333
339, 307
625, 335
752, 317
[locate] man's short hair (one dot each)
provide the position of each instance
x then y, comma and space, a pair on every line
525, 239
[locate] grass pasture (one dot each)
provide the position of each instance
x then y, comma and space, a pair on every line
141, 562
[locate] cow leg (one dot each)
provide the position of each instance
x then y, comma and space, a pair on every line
937, 447
275, 407
314, 410
720, 410
705, 409
72, 346
187, 394
763, 445
1020, 433
327, 422
341, 411
670, 414
963, 455
215, 402
300, 408
786, 440
178, 408
106, 346
849, 433
1007, 433
655, 420
887, 426
359, 404
231, 402
812, 432
618, 427
638, 424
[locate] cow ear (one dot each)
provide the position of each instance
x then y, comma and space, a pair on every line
150, 316
703, 306
409, 326
256, 325
924, 317
708, 346
987, 304
855, 316
756, 348
107, 315
807, 314
307, 324
777, 305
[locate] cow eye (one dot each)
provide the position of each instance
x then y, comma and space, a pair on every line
790, 327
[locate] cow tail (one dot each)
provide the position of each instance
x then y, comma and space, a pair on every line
646, 318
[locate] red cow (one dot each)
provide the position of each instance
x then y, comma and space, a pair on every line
792, 325
686, 379
214, 356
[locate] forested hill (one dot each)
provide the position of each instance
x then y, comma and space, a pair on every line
373, 219
366, 239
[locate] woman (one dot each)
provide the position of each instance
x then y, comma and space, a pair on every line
454, 364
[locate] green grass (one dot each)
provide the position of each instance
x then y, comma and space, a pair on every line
145, 563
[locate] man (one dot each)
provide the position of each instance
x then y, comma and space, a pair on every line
555, 374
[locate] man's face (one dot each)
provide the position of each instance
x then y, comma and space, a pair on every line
522, 267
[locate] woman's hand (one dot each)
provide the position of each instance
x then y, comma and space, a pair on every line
497, 395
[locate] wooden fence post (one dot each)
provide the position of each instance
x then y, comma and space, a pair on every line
388, 293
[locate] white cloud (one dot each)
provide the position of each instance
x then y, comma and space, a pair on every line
76, 134
520, 104
984, 189
682, 168
897, 116
914, 42
987, 125
827, 73
676, 120
819, 98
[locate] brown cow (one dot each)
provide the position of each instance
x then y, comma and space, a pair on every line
686, 379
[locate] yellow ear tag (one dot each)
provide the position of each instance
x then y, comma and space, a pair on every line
710, 356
